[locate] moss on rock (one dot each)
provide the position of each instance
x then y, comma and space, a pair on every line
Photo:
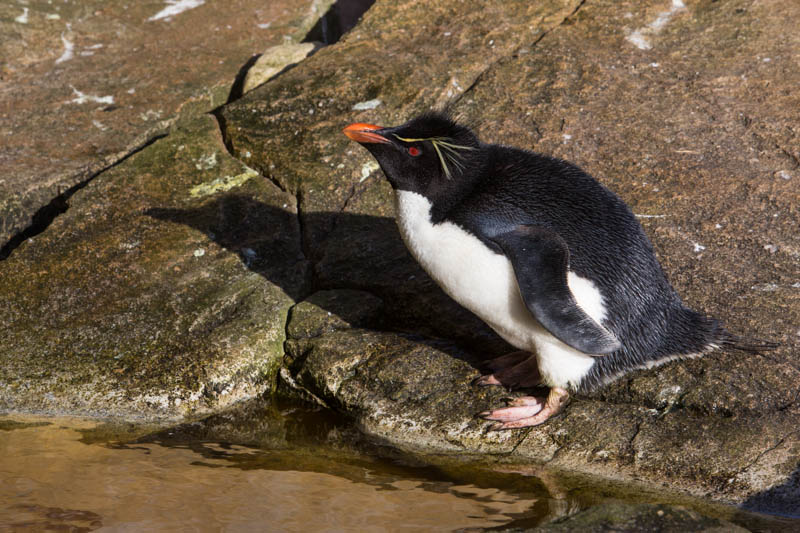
128, 306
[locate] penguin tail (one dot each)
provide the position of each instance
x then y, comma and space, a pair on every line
704, 333
745, 344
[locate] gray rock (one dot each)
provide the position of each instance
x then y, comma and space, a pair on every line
407, 391
273, 61
171, 276
328, 311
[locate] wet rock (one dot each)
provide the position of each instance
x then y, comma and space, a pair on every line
624, 518
13, 425
412, 392
100, 68
126, 306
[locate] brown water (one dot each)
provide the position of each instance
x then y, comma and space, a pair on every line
258, 469
52, 479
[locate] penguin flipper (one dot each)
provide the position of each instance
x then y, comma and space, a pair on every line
540, 258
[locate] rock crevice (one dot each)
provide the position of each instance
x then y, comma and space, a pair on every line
45, 215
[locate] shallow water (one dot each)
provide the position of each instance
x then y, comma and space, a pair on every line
51, 478
57, 474
259, 468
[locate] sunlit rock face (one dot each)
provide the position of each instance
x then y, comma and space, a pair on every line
84, 83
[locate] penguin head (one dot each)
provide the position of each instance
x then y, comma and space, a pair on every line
430, 154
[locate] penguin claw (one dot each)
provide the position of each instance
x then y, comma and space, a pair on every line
508, 414
527, 411
523, 401
486, 381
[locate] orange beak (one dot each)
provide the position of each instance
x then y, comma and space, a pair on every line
364, 133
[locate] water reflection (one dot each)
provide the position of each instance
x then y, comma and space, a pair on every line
278, 467
176, 480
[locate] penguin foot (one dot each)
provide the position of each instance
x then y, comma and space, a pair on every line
486, 381
507, 361
523, 401
514, 371
528, 411
526, 408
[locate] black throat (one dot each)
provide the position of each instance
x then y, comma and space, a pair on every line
445, 195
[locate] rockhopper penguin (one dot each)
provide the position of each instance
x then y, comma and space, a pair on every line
553, 261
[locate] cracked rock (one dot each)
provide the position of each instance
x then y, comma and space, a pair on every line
128, 306
95, 66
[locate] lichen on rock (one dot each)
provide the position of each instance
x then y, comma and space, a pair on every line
129, 318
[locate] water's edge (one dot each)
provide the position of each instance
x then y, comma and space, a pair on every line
265, 444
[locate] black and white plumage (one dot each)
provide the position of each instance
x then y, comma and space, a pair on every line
552, 260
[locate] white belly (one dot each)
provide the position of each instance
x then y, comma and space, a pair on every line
484, 282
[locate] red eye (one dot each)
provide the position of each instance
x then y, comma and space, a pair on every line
413, 151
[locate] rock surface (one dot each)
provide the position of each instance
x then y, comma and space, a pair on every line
622, 518
122, 308
273, 61
688, 112
114, 74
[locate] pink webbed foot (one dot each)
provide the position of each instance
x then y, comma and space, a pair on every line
528, 411
517, 409
513, 370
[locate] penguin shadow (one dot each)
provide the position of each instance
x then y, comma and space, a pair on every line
781, 500
323, 251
